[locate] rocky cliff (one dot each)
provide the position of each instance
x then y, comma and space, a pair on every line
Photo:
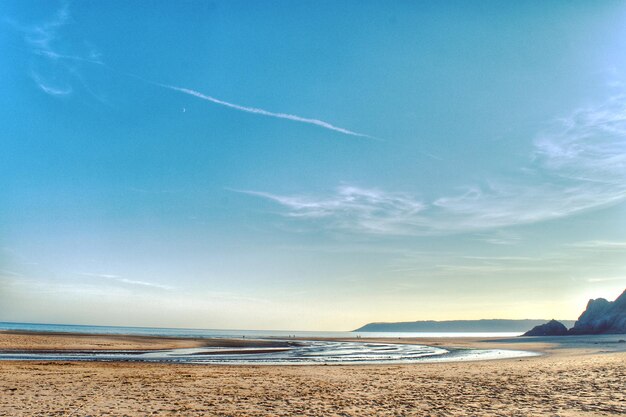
551, 328
602, 317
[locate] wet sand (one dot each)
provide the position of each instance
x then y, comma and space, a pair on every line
70, 342
582, 377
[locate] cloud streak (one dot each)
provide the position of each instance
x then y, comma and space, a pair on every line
577, 165
352, 208
589, 146
262, 112
120, 280
52, 71
601, 245
48, 88
607, 279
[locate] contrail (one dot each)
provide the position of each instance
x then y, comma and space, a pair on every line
254, 110
263, 112
42, 48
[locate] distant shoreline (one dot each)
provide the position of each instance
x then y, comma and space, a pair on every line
458, 326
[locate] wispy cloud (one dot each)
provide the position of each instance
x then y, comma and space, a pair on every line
144, 283
602, 245
564, 264
7, 273
589, 146
578, 165
607, 279
433, 156
267, 113
474, 210
43, 35
501, 258
121, 280
48, 88
99, 275
499, 237
355, 209
52, 70
154, 191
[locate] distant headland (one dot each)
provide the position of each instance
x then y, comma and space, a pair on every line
485, 325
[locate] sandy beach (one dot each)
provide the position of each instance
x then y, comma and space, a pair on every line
583, 379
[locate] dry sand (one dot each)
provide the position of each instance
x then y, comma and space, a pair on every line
570, 381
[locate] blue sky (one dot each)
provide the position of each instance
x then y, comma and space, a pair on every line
310, 165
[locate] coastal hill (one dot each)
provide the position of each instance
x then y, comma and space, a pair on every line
551, 328
600, 317
485, 325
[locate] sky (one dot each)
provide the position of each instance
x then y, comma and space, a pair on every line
312, 165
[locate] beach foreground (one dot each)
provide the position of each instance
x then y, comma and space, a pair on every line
583, 379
